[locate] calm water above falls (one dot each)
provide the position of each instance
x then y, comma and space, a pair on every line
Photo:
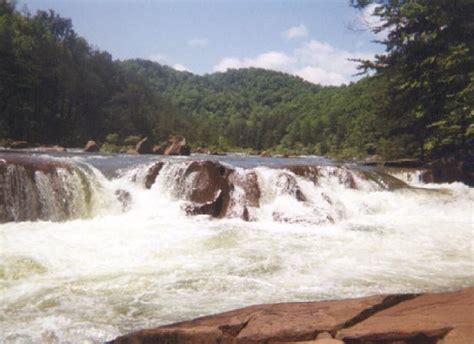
106, 271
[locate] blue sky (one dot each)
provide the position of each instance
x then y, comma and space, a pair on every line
312, 39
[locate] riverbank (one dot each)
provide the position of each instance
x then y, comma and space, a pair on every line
400, 318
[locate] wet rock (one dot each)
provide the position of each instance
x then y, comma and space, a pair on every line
152, 173
91, 147
124, 198
207, 187
19, 144
144, 146
288, 185
131, 152
247, 181
426, 319
452, 170
265, 154
305, 171
33, 188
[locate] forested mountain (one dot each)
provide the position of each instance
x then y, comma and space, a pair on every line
56, 88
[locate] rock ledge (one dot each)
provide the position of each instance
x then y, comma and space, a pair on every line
402, 319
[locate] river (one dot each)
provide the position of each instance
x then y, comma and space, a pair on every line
95, 271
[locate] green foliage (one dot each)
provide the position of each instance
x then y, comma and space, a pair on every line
131, 140
428, 64
110, 148
112, 138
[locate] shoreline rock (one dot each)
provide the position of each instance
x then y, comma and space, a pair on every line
400, 318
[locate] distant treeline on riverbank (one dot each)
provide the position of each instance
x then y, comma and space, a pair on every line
55, 88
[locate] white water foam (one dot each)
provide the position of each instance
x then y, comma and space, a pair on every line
92, 279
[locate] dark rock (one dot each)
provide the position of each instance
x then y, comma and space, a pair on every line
408, 163
144, 146
306, 171
287, 185
19, 144
451, 170
208, 188
248, 182
153, 172
91, 147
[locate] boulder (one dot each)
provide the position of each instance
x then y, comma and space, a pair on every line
19, 144
207, 188
152, 173
402, 319
178, 146
91, 147
161, 148
144, 146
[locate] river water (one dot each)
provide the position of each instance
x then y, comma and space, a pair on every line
111, 269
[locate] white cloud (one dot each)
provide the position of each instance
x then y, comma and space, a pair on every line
198, 42
181, 68
315, 61
271, 60
318, 75
296, 31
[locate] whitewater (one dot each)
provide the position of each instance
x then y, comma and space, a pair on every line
102, 267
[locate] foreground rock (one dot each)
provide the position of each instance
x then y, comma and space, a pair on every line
422, 319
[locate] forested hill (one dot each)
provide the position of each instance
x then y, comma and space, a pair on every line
57, 89
262, 109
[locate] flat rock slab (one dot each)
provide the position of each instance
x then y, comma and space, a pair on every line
431, 318
400, 319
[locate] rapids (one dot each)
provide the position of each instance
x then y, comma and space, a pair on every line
93, 265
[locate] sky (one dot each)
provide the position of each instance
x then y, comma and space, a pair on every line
312, 39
